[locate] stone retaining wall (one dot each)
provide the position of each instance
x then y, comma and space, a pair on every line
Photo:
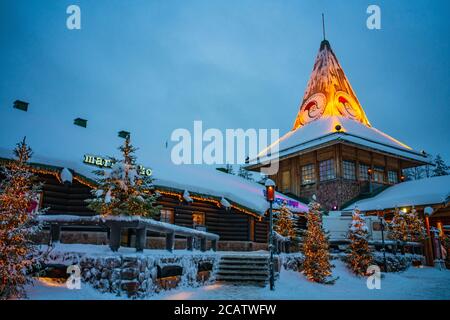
138, 275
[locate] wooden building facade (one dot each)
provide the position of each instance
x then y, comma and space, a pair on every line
239, 229
338, 173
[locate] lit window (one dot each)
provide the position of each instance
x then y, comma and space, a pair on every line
378, 174
198, 219
326, 169
392, 177
363, 172
166, 216
308, 174
285, 181
349, 170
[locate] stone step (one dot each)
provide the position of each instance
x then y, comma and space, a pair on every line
241, 262
251, 258
241, 278
244, 272
242, 267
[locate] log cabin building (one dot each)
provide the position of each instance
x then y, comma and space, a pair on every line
237, 215
332, 150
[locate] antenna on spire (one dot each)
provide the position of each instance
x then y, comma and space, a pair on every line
323, 26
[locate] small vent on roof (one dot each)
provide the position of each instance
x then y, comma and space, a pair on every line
21, 105
124, 134
80, 122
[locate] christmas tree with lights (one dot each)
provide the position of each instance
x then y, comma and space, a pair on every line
415, 225
360, 257
317, 266
399, 227
18, 224
285, 224
123, 191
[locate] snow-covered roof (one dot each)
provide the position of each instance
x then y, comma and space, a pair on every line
323, 131
427, 191
198, 179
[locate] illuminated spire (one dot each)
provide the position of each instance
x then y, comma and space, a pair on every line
328, 92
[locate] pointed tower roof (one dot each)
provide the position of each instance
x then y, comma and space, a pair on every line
328, 92
330, 113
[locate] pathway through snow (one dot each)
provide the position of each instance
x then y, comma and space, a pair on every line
415, 283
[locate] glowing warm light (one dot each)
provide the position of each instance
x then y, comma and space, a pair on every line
213, 287
329, 92
52, 282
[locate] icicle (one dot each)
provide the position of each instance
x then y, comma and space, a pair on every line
224, 202
187, 196
66, 175
108, 196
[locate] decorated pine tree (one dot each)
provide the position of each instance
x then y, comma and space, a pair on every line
416, 228
441, 168
243, 173
360, 257
18, 224
398, 227
123, 190
285, 224
317, 266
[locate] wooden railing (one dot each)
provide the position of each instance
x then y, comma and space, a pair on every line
141, 225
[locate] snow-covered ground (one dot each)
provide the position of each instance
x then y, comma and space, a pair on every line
415, 283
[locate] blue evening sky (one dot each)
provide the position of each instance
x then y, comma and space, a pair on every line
150, 67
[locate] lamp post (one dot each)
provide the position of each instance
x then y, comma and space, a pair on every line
381, 217
270, 196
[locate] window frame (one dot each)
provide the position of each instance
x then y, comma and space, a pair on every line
346, 170
363, 174
308, 170
330, 170
203, 218
378, 172
394, 174
163, 212
284, 187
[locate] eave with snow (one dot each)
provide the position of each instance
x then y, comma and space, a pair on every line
428, 192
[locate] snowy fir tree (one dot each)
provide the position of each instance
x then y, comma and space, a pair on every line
399, 228
285, 223
441, 168
227, 169
122, 191
244, 173
416, 229
317, 266
18, 224
360, 257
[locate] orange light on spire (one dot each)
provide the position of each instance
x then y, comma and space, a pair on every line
329, 92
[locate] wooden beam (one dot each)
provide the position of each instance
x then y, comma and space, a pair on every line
141, 237
170, 240
190, 243
55, 232
203, 244
114, 238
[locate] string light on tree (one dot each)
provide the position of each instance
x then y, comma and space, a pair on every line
360, 257
123, 191
317, 266
18, 223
